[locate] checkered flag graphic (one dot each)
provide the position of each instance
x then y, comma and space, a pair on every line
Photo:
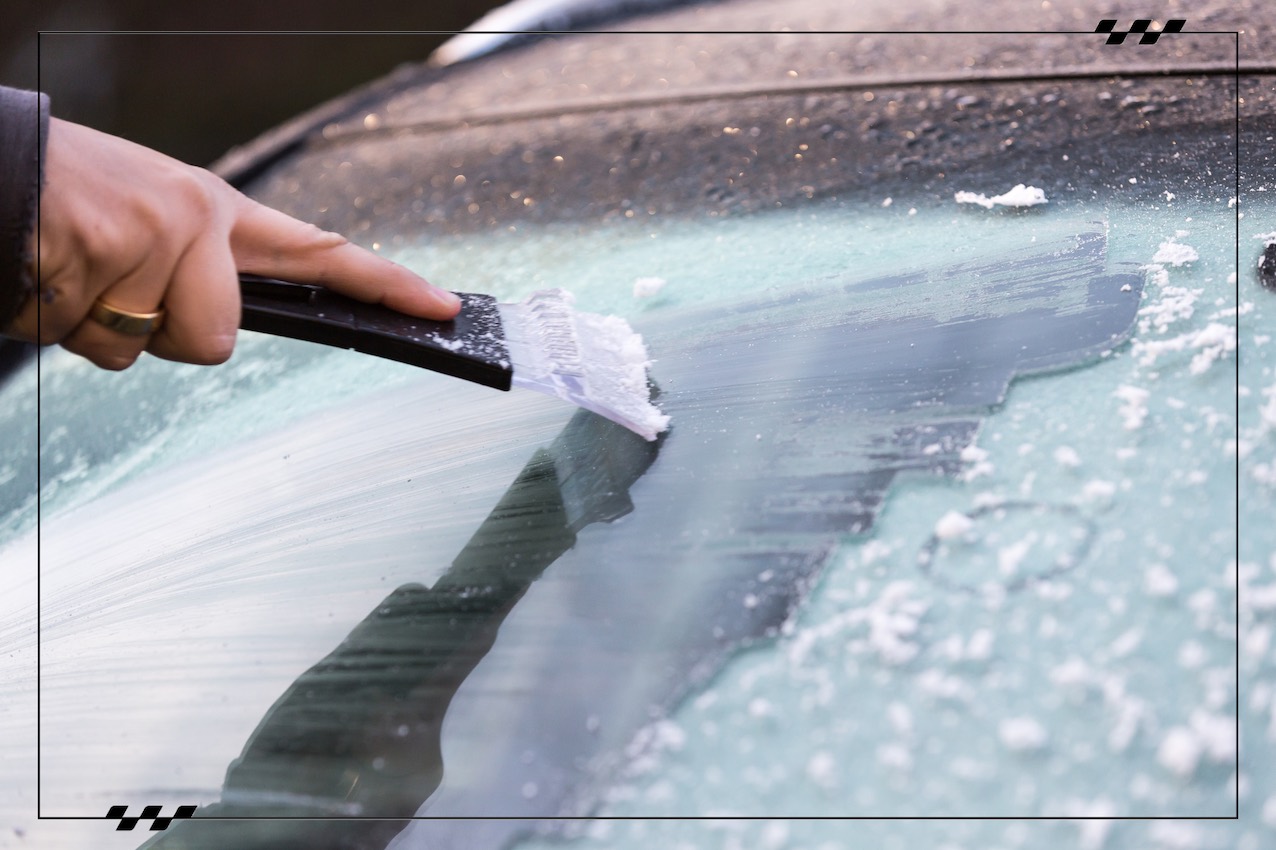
1139, 28
151, 813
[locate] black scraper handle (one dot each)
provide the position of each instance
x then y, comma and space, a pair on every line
470, 347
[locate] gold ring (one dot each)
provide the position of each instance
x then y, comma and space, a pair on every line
125, 321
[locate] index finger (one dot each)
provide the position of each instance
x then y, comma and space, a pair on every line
269, 243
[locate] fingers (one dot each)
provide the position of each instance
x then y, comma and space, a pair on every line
268, 242
199, 294
141, 291
202, 307
104, 347
130, 228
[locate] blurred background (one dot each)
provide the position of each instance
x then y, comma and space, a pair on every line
186, 80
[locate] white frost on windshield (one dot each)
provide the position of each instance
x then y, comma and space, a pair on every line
1251, 437
1019, 196
1267, 413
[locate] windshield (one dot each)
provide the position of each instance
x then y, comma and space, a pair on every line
945, 522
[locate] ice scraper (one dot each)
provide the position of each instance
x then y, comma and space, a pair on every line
542, 343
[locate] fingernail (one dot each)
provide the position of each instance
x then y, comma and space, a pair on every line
448, 299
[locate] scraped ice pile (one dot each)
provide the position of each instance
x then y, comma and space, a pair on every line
648, 287
1175, 253
1209, 344
1019, 196
595, 362
953, 526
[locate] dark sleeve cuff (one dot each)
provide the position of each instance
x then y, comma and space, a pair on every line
24, 128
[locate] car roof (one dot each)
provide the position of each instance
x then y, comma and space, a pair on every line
815, 49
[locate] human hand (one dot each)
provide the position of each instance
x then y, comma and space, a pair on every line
141, 232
